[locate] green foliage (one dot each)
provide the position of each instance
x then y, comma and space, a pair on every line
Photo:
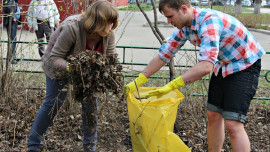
250, 20
134, 7
60, 8
245, 10
260, 21
229, 9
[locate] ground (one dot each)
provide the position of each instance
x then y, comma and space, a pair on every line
18, 111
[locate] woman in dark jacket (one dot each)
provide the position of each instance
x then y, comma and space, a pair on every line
91, 30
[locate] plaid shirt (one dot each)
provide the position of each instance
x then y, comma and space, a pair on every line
223, 40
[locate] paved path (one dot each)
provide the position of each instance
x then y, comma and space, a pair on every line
131, 32
262, 10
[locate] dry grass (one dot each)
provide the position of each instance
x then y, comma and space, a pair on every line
19, 107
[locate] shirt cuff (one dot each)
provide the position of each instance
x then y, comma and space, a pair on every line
164, 58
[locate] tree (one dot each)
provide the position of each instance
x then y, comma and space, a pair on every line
238, 7
157, 32
257, 6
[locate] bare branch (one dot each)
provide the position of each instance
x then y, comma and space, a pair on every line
156, 21
149, 22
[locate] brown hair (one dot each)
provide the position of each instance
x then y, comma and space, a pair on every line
172, 4
98, 16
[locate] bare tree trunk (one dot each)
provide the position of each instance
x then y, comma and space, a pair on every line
157, 33
257, 6
6, 76
238, 7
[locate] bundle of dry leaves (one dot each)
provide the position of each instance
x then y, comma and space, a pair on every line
92, 75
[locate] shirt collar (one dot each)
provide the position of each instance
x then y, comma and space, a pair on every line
195, 15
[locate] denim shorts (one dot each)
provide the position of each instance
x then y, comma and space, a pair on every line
231, 96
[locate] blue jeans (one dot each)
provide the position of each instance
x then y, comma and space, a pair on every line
54, 100
13, 36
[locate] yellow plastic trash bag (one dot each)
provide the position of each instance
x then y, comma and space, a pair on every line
151, 122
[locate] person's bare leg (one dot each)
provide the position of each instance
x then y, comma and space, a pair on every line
238, 136
215, 131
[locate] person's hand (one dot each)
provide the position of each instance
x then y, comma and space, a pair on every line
131, 87
174, 84
56, 25
31, 30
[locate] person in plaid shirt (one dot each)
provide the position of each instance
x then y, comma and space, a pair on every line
227, 48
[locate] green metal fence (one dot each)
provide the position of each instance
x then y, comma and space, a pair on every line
266, 75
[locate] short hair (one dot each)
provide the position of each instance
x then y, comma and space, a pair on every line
172, 4
98, 16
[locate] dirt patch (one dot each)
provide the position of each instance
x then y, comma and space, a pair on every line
19, 107
17, 115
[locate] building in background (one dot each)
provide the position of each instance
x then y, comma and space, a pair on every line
65, 7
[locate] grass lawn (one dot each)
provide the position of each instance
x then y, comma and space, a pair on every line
250, 20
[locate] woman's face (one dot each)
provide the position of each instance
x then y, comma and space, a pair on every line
107, 31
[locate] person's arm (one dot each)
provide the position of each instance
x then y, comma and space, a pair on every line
64, 42
166, 52
111, 44
195, 73
154, 65
55, 14
56, 25
209, 48
30, 16
17, 15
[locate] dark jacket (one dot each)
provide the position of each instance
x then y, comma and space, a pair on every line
7, 9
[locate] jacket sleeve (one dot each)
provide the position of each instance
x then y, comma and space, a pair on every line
62, 46
111, 44
30, 14
17, 15
55, 12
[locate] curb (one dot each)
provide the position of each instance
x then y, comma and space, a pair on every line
163, 24
160, 24
260, 31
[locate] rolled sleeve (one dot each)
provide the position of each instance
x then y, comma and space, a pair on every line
30, 15
210, 35
169, 49
164, 53
56, 14
17, 15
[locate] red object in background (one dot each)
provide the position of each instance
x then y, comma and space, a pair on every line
120, 2
65, 7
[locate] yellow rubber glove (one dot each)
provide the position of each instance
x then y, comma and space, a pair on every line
131, 87
174, 84
68, 67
